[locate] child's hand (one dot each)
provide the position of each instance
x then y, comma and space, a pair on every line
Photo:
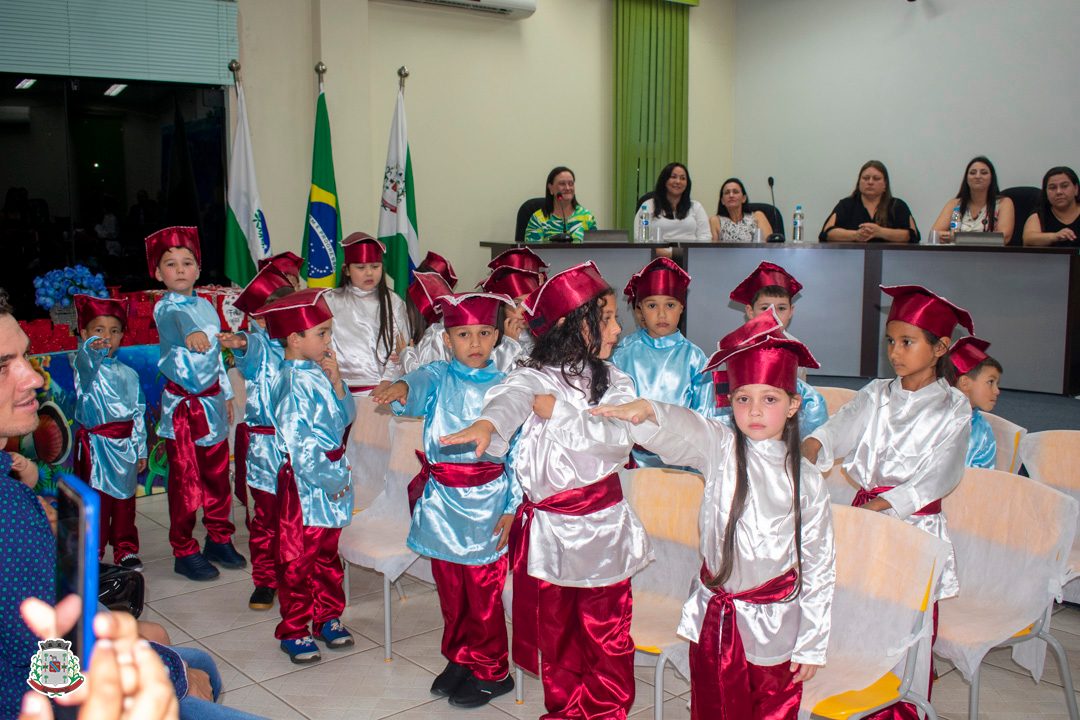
197, 342
233, 341
513, 326
544, 405
329, 365
24, 469
141, 465
479, 432
878, 504
502, 529
394, 392
399, 347
803, 671
811, 448
99, 344
636, 411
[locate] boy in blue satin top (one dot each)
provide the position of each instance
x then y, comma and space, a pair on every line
257, 457
463, 506
977, 375
665, 365
111, 412
196, 408
771, 286
312, 414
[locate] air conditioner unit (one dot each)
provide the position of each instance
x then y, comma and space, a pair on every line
515, 9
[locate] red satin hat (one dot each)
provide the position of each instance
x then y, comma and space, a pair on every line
759, 353
171, 237
511, 281
967, 352
920, 307
286, 263
764, 275
360, 247
520, 258
425, 288
302, 310
88, 307
561, 295
662, 276
255, 295
433, 262
475, 308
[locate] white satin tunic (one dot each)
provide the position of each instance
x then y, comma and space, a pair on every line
109, 391
362, 358
570, 450
176, 317
797, 630
260, 364
430, 348
913, 441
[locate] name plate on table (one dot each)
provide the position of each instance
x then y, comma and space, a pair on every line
988, 239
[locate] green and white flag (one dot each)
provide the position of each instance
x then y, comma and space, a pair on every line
247, 238
397, 210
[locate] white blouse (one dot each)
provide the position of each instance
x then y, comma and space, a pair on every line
356, 335
693, 227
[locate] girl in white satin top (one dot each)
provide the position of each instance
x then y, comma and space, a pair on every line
370, 324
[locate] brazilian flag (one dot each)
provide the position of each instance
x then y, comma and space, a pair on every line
322, 231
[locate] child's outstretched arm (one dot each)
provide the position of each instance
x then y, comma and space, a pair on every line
636, 411
479, 432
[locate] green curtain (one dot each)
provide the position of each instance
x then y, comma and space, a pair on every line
651, 96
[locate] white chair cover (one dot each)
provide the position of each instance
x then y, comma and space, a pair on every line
835, 397
1008, 436
1053, 458
376, 537
1012, 537
368, 450
884, 571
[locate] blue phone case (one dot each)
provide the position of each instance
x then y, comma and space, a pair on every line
89, 528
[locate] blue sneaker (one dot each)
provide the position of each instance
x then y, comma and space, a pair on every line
195, 567
334, 634
301, 650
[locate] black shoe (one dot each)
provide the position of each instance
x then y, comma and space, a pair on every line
224, 554
449, 679
195, 567
262, 598
131, 561
473, 693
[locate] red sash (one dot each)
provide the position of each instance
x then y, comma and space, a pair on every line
241, 444
456, 475
526, 609
724, 691
357, 389
113, 430
190, 416
864, 496
290, 540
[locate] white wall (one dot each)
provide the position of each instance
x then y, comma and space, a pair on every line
823, 86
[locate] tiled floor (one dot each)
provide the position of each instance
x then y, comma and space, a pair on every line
357, 684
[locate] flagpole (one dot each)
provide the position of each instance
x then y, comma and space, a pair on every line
320, 70
234, 68
402, 73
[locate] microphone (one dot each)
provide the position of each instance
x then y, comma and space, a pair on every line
776, 236
772, 193
563, 236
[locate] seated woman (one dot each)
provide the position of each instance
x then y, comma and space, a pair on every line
1057, 220
671, 211
733, 221
871, 213
561, 219
978, 191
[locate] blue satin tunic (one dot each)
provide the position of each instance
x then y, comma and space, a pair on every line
982, 447
667, 369
177, 316
109, 391
260, 364
456, 524
311, 421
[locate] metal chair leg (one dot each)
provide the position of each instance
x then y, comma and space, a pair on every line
658, 687
973, 694
387, 655
519, 686
1064, 671
400, 593
345, 581
921, 703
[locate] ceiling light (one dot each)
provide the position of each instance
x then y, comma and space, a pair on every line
25, 84
115, 89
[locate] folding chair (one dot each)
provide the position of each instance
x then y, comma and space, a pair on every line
1012, 537
879, 644
1053, 458
1008, 436
368, 450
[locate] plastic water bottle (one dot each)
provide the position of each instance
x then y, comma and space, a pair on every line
954, 222
797, 222
642, 234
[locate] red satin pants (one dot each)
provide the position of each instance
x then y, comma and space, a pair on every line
198, 480
474, 623
775, 696
586, 653
903, 710
310, 590
118, 527
261, 544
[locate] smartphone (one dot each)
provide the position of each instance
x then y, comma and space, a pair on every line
78, 519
